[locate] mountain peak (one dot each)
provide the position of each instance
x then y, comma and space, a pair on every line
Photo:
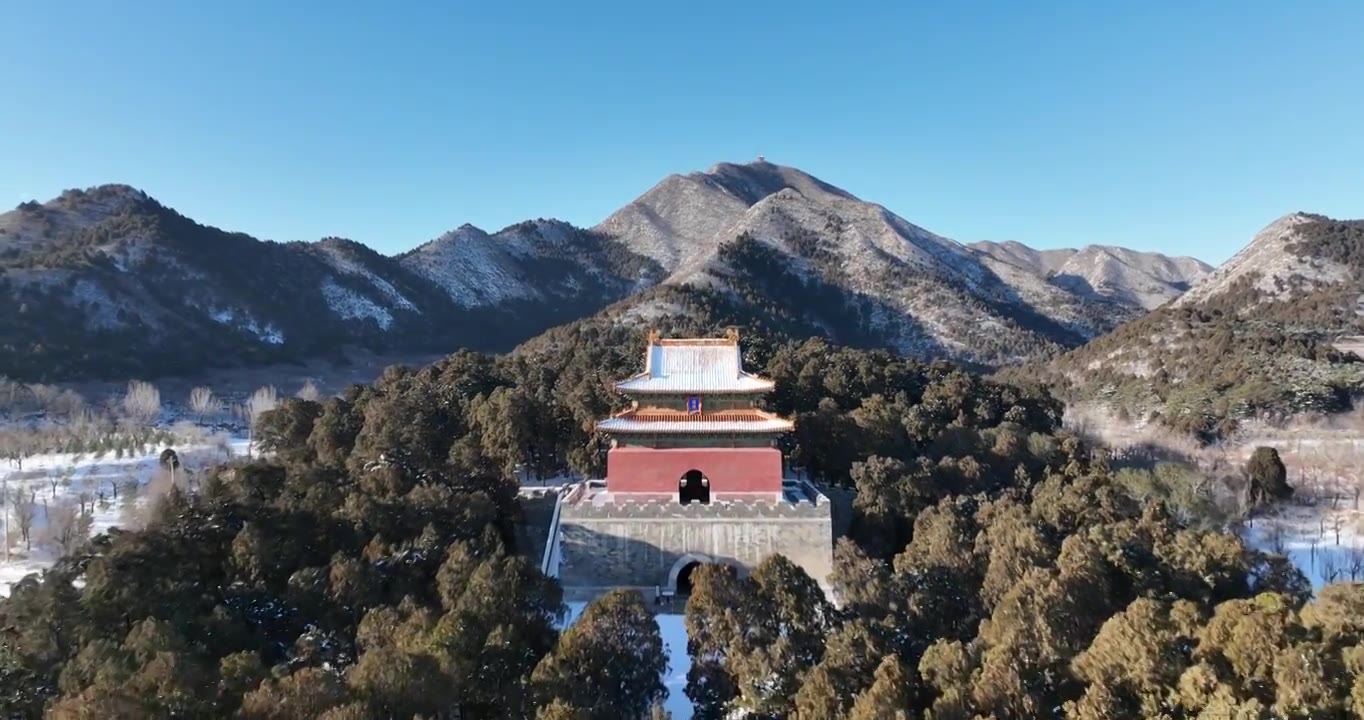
753, 181
1273, 262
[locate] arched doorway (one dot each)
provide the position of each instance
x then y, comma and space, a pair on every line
679, 578
684, 579
693, 486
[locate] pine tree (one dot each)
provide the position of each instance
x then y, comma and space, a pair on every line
889, 696
609, 663
1266, 478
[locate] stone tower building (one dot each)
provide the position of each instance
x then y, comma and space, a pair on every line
693, 476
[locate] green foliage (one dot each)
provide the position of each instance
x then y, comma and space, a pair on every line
1204, 367
1186, 493
1266, 477
608, 664
996, 568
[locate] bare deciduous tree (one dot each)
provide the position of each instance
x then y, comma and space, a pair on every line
9, 395
203, 404
67, 526
309, 392
1336, 523
25, 510
16, 446
142, 402
86, 498
44, 396
114, 482
263, 400
1330, 569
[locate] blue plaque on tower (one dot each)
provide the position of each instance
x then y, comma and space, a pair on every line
694, 405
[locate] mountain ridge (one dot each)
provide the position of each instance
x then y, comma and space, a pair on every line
1146, 279
108, 282
1257, 336
111, 265
908, 280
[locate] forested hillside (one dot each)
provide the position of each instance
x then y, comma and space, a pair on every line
1255, 337
761, 233
368, 569
108, 283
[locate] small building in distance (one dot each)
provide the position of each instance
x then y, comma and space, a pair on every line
693, 476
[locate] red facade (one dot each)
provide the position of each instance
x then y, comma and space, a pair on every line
659, 470
692, 393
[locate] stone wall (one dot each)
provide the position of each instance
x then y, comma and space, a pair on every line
645, 544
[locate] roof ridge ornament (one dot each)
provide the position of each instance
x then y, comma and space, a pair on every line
732, 334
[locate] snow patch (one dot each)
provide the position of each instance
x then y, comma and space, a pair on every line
267, 332
101, 309
353, 306
473, 267
90, 477
343, 264
1321, 529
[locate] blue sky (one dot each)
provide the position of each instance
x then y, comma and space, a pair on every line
1178, 127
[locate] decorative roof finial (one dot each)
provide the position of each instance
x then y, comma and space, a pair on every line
732, 334
654, 336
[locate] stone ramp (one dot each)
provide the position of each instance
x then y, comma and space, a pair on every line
537, 516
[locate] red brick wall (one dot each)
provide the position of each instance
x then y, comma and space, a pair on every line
730, 470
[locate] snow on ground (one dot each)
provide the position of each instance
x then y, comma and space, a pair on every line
84, 479
1321, 528
1325, 542
353, 306
268, 333
673, 629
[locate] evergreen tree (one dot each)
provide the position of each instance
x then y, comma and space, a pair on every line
609, 663
889, 695
1266, 478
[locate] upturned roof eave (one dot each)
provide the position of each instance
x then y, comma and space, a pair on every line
756, 385
694, 431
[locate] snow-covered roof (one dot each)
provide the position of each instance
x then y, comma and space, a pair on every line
694, 366
653, 420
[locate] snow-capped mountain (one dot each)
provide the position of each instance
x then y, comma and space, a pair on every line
109, 282
534, 261
1140, 279
847, 267
1279, 261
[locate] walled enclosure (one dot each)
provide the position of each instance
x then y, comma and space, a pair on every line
646, 544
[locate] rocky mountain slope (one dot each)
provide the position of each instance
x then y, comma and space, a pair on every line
1257, 335
1142, 279
537, 261
110, 283
782, 248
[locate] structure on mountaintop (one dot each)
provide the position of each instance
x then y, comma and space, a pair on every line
693, 475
